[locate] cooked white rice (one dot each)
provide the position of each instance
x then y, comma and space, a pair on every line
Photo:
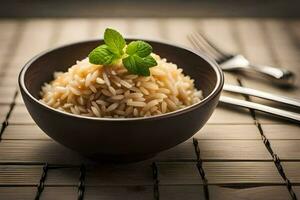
97, 91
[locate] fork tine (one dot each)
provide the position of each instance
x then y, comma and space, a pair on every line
193, 41
213, 46
219, 56
198, 45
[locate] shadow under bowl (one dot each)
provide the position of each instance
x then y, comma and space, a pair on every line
117, 139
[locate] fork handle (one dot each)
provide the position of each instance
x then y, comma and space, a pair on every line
264, 95
263, 108
276, 75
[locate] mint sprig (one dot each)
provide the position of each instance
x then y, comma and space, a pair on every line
115, 41
138, 65
101, 55
139, 47
136, 59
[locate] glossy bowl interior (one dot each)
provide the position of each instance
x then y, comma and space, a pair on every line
120, 139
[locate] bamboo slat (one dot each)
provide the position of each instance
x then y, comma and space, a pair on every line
34, 38
228, 132
11, 175
7, 94
71, 30
297, 190
20, 115
7, 81
8, 29
179, 173
232, 173
281, 131
230, 115
112, 193
233, 150
21, 132
116, 175
183, 151
66, 176
3, 112
292, 171
19, 99
17, 193
178, 192
98, 26
37, 151
287, 149
258, 193
59, 193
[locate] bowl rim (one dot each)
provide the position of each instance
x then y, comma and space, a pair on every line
217, 89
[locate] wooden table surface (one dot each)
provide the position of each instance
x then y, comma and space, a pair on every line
239, 153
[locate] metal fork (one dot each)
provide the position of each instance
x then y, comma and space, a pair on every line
260, 107
231, 62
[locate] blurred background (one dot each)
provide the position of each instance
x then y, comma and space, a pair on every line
153, 8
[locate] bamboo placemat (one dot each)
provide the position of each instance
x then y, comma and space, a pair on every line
239, 154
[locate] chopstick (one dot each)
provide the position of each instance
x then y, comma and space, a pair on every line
263, 108
261, 94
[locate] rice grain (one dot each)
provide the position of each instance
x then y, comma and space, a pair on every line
97, 91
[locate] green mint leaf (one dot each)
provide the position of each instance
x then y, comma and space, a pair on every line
149, 61
140, 66
141, 48
144, 64
143, 68
101, 55
114, 40
130, 64
137, 59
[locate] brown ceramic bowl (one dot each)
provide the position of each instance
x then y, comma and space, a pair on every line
120, 139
